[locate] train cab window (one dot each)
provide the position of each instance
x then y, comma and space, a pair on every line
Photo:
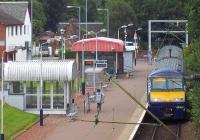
175, 83
159, 84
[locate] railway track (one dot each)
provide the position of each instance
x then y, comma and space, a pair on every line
157, 132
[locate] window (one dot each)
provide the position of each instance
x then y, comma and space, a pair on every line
167, 84
16, 30
20, 30
8, 30
159, 83
11, 30
175, 83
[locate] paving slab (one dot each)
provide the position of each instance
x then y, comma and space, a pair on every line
117, 107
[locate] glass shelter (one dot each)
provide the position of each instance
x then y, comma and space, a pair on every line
41, 84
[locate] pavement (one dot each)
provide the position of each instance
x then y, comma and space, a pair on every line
117, 106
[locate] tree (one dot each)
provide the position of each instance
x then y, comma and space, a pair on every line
54, 12
192, 54
39, 18
121, 13
193, 8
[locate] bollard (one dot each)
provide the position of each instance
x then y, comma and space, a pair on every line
68, 109
2, 136
83, 88
41, 117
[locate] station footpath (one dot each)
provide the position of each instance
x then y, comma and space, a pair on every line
117, 107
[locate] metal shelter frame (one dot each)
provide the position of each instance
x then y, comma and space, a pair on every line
150, 31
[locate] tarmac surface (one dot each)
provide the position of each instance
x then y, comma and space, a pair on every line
117, 106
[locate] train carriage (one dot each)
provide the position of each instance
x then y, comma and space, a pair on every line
166, 94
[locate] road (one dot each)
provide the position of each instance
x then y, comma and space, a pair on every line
117, 107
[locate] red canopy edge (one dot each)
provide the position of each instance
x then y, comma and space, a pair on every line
103, 45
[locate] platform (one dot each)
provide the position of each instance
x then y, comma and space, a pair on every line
117, 107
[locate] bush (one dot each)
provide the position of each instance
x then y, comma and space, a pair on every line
68, 54
194, 99
192, 64
192, 53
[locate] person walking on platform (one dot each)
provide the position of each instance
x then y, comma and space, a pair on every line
99, 99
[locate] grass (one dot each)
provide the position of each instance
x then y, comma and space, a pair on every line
15, 121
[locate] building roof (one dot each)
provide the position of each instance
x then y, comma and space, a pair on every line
15, 9
103, 45
8, 19
31, 70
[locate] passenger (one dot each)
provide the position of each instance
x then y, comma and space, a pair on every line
99, 99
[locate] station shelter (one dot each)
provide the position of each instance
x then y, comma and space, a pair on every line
109, 49
33, 85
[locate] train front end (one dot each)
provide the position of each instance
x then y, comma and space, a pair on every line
166, 94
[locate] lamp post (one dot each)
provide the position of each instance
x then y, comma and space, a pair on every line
62, 31
79, 19
41, 82
83, 68
125, 32
135, 42
96, 34
107, 10
135, 36
86, 18
94, 62
2, 96
123, 27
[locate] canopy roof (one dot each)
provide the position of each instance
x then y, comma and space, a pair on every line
103, 45
31, 71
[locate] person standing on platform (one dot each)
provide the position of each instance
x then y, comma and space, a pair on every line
99, 99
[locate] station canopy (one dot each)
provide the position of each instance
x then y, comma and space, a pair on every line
103, 45
31, 70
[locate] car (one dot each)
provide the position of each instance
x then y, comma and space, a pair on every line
45, 50
130, 46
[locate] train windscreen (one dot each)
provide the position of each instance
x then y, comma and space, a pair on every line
167, 84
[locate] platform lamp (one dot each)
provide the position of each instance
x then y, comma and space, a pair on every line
41, 82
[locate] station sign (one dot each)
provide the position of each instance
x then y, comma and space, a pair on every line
98, 63
101, 64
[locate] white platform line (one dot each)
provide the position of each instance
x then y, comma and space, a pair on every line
137, 126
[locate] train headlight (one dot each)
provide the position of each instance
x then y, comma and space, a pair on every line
179, 100
156, 100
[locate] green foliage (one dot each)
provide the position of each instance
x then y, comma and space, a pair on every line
192, 54
193, 8
39, 18
194, 98
68, 53
54, 11
16, 120
121, 13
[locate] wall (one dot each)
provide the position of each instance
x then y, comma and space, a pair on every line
2, 39
15, 100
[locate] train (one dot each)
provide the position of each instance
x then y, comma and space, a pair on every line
166, 95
